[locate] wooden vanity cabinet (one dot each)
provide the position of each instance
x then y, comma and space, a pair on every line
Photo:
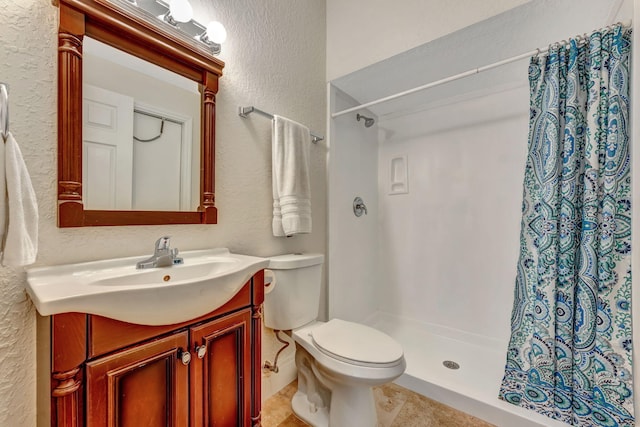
143, 385
221, 373
200, 373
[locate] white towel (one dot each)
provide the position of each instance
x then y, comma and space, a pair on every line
4, 208
21, 240
290, 178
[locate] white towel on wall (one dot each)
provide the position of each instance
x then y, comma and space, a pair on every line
19, 201
4, 201
291, 143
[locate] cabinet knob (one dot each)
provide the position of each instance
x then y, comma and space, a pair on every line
201, 350
184, 356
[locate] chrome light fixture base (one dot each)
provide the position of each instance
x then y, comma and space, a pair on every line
216, 48
159, 11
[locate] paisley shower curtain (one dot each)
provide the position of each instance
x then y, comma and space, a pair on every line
569, 356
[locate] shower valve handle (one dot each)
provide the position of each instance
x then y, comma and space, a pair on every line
359, 207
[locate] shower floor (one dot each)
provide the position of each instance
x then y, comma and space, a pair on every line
473, 387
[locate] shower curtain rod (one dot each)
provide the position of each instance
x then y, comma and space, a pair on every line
452, 78
245, 111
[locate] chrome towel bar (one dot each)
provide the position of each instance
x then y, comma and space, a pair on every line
245, 111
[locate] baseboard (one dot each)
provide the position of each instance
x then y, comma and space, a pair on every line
273, 383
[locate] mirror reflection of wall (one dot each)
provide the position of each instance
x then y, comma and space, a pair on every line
141, 134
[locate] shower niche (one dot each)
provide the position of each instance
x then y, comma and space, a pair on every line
398, 175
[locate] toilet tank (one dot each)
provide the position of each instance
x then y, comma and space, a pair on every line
292, 299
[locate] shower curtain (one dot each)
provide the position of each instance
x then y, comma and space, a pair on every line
569, 356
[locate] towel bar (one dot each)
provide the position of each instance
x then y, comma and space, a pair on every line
245, 111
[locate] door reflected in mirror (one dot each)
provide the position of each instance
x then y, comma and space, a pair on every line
140, 134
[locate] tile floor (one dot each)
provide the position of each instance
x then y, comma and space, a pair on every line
396, 407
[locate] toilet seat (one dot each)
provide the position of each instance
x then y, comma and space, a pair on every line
357, 344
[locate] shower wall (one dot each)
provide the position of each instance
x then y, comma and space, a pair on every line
353, 241
448, 248
445, 252
451, 243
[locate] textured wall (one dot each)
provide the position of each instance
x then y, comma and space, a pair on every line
275, 58
28, 64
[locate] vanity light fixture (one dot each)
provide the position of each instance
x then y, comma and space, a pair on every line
181, 10
179, 14
214, 35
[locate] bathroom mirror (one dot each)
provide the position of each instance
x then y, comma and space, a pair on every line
123, 73
139, 126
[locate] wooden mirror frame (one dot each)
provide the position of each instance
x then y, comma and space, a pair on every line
105, 22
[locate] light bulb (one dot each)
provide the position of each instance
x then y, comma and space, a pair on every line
216, 32
181, 10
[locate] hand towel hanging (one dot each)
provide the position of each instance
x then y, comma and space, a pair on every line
19, 200
290, 177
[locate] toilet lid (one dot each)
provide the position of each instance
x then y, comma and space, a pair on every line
356, 343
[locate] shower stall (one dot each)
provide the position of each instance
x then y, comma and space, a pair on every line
433, 261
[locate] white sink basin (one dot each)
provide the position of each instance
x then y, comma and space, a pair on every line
154, 296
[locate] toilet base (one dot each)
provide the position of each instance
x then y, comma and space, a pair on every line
342, 414
327, 399
308, 412
352, 407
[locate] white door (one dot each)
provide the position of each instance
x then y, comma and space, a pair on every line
161, 161
107, 149
156, 165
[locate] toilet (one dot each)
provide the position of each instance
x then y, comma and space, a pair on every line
338, 361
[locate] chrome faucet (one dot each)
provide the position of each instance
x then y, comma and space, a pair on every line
163, 255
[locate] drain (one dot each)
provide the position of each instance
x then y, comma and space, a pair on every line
451, 364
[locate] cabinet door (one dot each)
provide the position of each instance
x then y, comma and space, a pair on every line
144, 386
221, 372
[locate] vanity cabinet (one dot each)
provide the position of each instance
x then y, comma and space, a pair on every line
220, 375
203, 372
144, 385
